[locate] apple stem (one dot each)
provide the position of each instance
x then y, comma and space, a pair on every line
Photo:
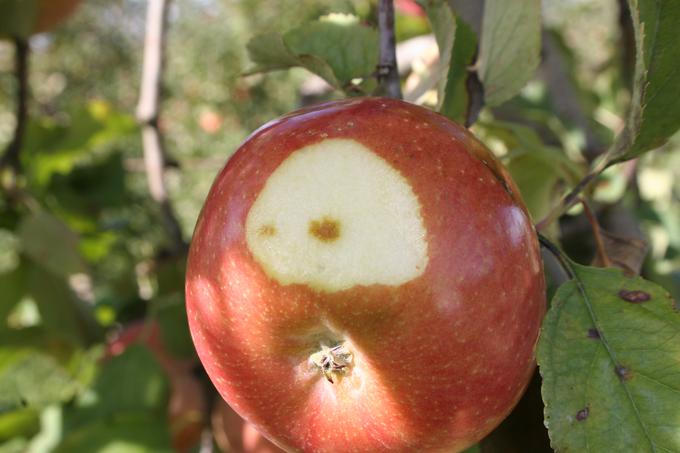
333, 363
597, 234
388, 74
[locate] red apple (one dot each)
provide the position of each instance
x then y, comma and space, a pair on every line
365, 278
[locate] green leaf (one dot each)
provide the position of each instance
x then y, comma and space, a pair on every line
655, 110
349, 48
335, 47
269, 53
52, 148
18, 17
172, 318
133, 433
444, 26
455, 102
125, 409
537, 169
51, 243
30, 378
510, 47
61, 311
609, 356
21, 422
12, 290
457, 47
131, 382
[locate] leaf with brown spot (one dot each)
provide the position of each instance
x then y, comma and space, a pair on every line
628, 380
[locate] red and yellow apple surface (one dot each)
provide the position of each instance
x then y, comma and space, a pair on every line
365, 278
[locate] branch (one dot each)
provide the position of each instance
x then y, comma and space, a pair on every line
148, 111
597, 233
388, 73
10, 158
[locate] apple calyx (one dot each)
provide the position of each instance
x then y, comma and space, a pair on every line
333, 363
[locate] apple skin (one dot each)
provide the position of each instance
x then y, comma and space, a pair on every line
440, 359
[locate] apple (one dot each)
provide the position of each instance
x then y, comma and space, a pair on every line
364, 277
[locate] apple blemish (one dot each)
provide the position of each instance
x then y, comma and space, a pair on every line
342, 215
325, 230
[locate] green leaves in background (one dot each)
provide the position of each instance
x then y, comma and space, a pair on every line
126, 409
337, 48
539, 170
510, 47
655, 111
457, 47
30, 378
609, 355
52, 148
51, 243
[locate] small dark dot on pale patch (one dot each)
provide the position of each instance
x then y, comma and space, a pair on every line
325, 230
634, 296
582, 414
623, 373
593, 333
267, 230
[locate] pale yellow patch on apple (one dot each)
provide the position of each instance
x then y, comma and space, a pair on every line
335, 215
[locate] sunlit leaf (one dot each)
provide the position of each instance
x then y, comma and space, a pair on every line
51, 243
30, 378
510, 47
655, 112
20, 422
61, 311
609, 355
336, 47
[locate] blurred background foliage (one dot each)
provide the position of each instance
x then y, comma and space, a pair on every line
84, 256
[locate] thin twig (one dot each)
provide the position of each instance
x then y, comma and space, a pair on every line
10, 159
388, 73
148, 111
557, 253
597, 233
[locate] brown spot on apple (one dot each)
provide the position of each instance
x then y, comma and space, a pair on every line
267, 230
325, 230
